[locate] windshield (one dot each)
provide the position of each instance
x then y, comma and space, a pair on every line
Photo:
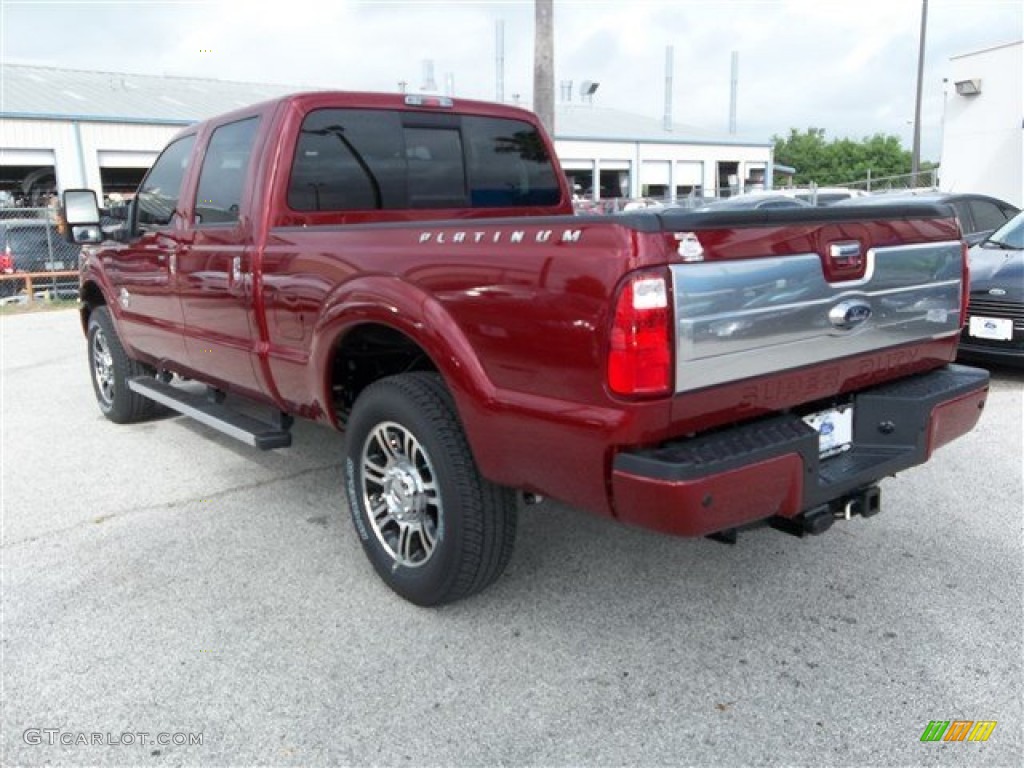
1010, 235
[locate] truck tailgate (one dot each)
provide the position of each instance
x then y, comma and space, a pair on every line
737, 319
812, 291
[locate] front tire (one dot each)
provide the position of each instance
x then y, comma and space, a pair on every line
111, 368
433, 528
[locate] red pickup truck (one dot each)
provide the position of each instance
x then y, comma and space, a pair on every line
408, 270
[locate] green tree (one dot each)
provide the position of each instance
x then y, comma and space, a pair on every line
840, 161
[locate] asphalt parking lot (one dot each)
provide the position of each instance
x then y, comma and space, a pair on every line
160, 579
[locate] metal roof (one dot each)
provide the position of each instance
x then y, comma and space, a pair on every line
590, 123
51, 93
72, 94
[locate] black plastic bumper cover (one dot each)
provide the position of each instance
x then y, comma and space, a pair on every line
890, 434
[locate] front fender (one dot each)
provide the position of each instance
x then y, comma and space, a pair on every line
95, 291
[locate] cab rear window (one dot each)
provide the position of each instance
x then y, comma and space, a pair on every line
350, 159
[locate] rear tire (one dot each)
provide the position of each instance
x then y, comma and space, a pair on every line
433, 528
111, 368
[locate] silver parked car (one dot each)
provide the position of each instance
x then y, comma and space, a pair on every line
979, 215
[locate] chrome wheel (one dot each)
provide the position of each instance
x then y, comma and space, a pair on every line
401, 494
434, 529
111, 368
103, 366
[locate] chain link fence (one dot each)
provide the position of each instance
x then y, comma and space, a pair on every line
35, 259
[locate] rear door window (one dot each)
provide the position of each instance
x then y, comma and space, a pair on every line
348, 160
224, 171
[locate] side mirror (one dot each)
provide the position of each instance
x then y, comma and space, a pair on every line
82, 215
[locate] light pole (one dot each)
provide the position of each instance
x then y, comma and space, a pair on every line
915, 154
544, 63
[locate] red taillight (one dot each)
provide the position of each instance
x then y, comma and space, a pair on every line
640, 354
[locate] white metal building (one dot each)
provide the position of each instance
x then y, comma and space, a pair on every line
634, 156
62, 128
983, 127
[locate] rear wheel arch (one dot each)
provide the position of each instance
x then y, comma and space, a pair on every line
365, 353
422, 323
378, 302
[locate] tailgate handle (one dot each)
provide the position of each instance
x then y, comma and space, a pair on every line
845, 255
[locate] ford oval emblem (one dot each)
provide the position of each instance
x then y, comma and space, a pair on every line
996, 292
847, 315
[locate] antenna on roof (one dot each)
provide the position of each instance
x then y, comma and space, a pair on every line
429, 84
587, 89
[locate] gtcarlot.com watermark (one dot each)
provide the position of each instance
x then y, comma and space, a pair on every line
53, 737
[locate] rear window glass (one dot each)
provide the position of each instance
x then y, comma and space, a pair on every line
349, 159
509, 164
30, 237
986, 215
435, 167
832, 197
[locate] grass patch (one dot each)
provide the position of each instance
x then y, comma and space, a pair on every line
39, 305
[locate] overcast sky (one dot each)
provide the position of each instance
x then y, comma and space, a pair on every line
848, 66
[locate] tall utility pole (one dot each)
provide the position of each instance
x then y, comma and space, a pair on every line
915, 154
669, 66
544, 63
499, 63
734, 86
